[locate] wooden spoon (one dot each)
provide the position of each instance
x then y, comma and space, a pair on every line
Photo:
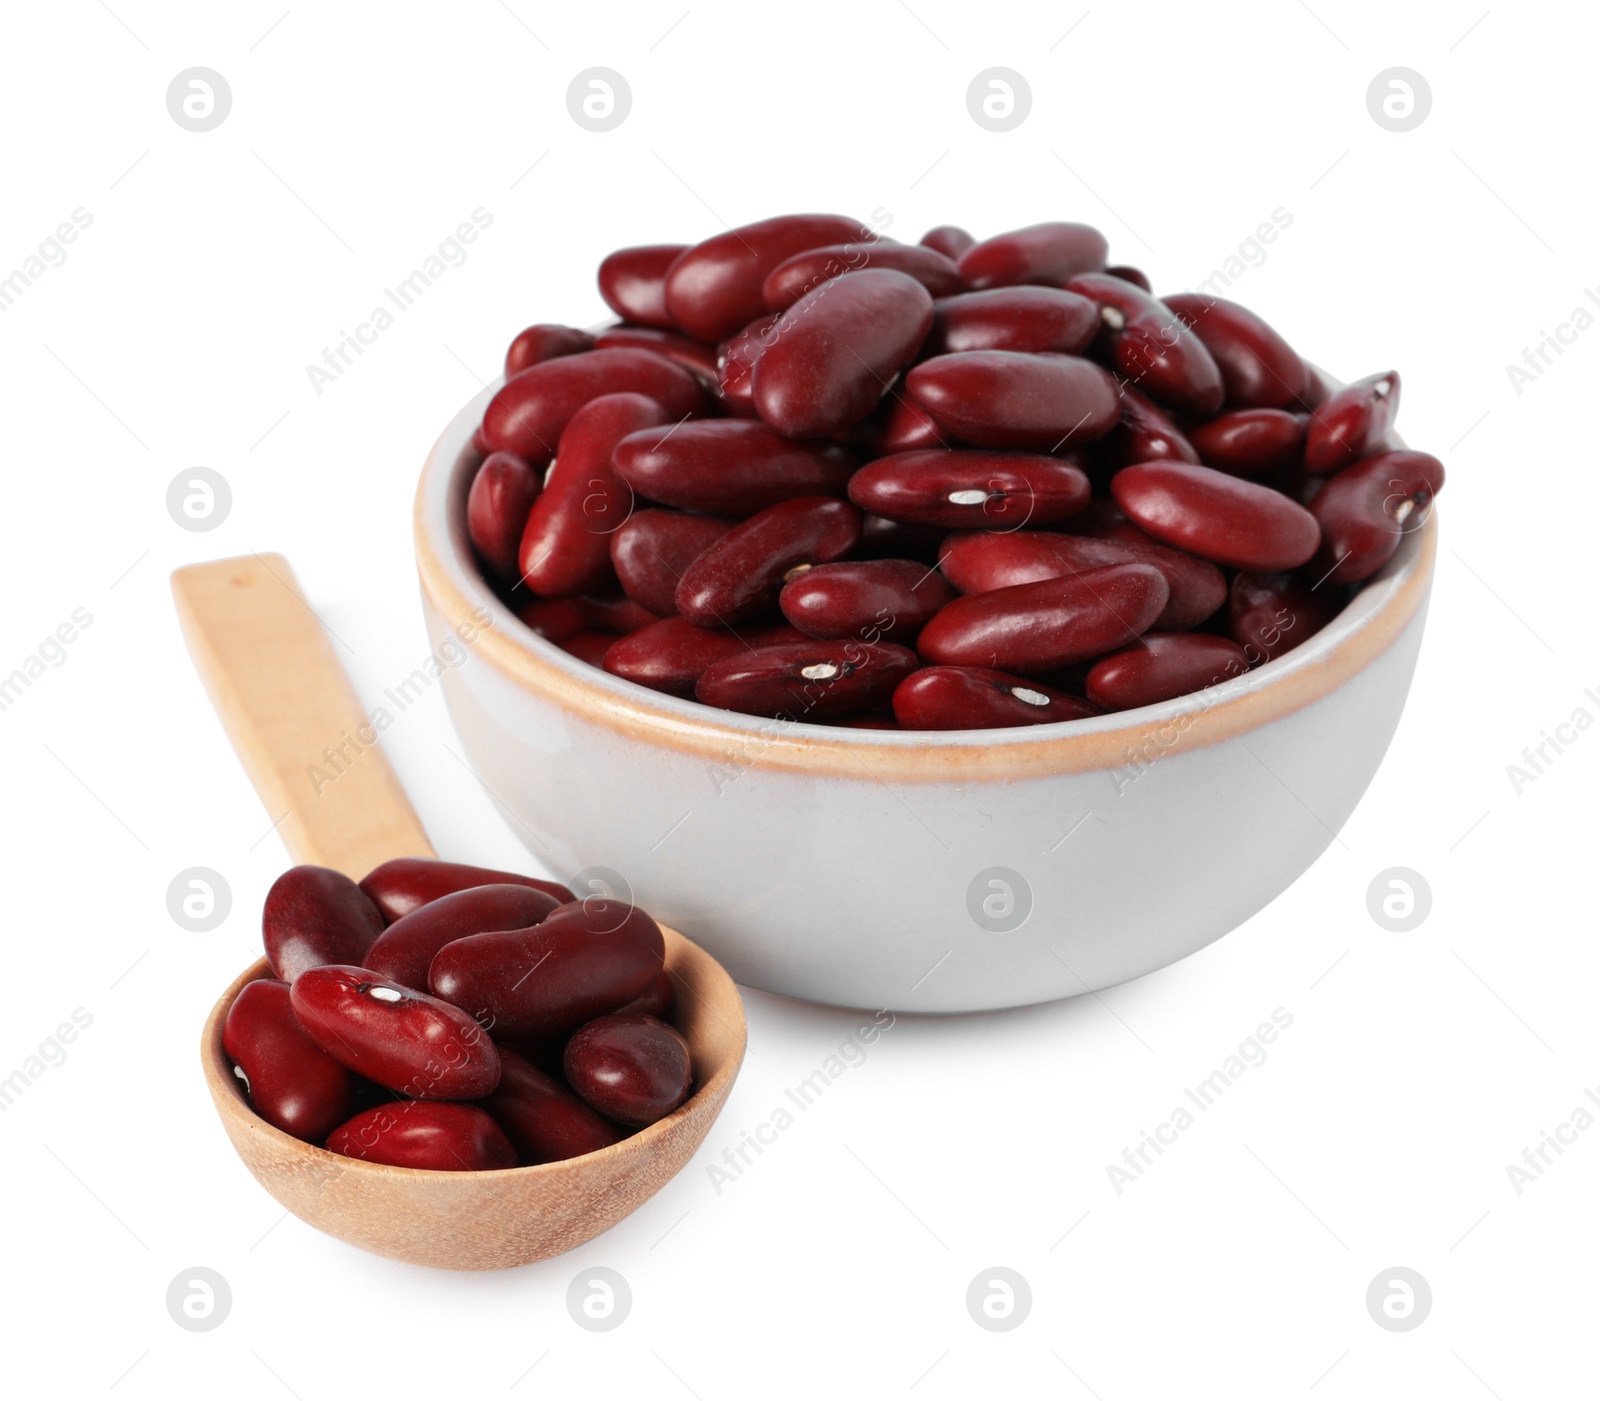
283, 697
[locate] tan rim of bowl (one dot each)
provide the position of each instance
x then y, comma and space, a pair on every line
1368, 627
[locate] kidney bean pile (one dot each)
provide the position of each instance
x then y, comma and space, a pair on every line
445, 1016
817, 474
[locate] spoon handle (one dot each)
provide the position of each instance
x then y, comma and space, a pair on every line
292, 715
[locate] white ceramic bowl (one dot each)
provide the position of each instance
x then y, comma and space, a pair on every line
860, 867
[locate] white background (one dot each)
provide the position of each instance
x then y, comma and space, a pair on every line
1418, 1065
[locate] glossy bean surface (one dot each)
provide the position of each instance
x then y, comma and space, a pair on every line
874, 600
1232, 522
1027, 319
1047, 254
566, 544
406, 948
630, 1067
427, 1134
968, 489
408, 882
314, 916
948, 239
1151, 345
544, 342
1162, 665
614, 611
1368, 508
1049, 624
736, 365
1270, 614
1144, 432
399, 1037
714, 288
837, 349
900, 424
739, 576
1130, 274
531, 410
808, 681
979, 561
586, 959
672, 655
655, 1000
1005, 399
1351, 423
1250, 442
651, 549
590, 647
698, 358
633, 282
544, 1120
1259, 368
791, 280
975, 698
502, 494
729, 466
290, 1081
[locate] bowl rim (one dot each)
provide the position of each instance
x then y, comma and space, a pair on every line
224, 1087
1364, 630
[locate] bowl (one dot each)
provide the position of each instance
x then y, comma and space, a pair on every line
910, 871
492, 1220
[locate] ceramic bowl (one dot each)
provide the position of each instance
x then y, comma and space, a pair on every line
920, 872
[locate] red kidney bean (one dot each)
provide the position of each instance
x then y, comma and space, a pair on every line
1103, 519
1351, 423
502, 494
290, 1081
1319, 388
633, 282
590, 647
545, 1121
1130, 274
1224, 519
791, 280
971, 489
409, 882
586, 959
975, 698
1270, 614
631, 1068
403, 1039
1005, 399
532, 409
698, 358
1144, 433
736, 364
899, 424
1042, 253
1259, 369
651, 550
1162, 665
673, 655
544, 342
315, 916
873, 600
729, 466
949, 240
479, 445
435, 1135
739, 576
980, 561
1013, 318
614, 612
1250, 442
655, 1000
809, 681
1047, 624
714, 288
1366, 509
566, 545
406, 948
554, 619
837, 350
1150, 344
